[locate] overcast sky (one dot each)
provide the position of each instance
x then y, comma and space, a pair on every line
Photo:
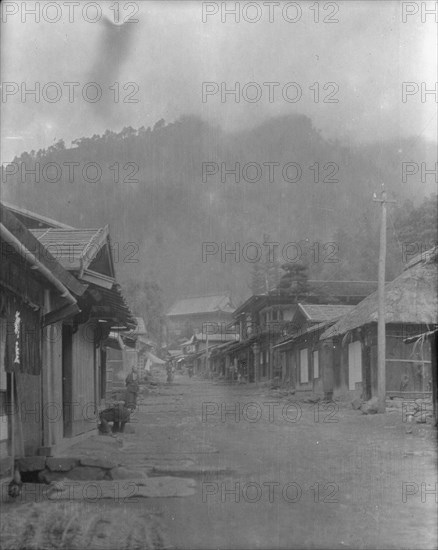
170, 52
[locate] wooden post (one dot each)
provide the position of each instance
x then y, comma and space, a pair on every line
46, 374
326, 367
256, 353
206, 354
381, 326
381, 323
433, 339
12, 423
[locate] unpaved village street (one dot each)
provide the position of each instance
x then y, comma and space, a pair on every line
272, 471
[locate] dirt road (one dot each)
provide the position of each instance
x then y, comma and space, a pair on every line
291, 475
269, 472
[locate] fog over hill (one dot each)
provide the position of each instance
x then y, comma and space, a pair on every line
166, 191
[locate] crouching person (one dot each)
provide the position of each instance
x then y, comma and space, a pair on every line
118, 414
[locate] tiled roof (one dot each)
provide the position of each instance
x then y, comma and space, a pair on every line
72, 247
32, 245
354, 290
111, 304
317, 313
256, 302
138, 330
202, 304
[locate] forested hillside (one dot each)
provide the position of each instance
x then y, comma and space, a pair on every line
163, 202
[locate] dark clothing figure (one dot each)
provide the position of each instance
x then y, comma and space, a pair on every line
132, 389
118, 414
170, 369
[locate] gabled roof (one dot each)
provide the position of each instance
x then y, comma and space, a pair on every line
411, 298
202, 304
317, 313
31, 247
75, 249
326, 290
318, 316
256, 302
64, 250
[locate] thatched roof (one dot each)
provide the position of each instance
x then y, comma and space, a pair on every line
411, 298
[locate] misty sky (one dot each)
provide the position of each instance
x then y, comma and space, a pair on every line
170, 52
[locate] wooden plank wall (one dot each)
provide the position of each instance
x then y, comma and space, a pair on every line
29, 403
84, 380
52, 385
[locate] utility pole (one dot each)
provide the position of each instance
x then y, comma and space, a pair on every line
206, 354
381, 322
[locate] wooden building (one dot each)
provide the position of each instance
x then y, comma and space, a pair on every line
87, 254
37, 295
411, 308
301, 353
265, 320
73, 355
190, 315
198, 349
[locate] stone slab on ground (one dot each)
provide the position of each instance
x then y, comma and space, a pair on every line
46, 476
165, 462
31, 463
98, 463
125, 473
157, 487
175, 470
61, 464
86, 473
96, 443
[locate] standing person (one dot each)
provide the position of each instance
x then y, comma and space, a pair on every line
170, 369
132, 388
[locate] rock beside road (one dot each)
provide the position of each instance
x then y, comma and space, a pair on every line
357, 403
370, 407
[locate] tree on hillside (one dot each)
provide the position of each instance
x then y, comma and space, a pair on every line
152, 193
295, 280
258, 282
266, 274
417, 226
